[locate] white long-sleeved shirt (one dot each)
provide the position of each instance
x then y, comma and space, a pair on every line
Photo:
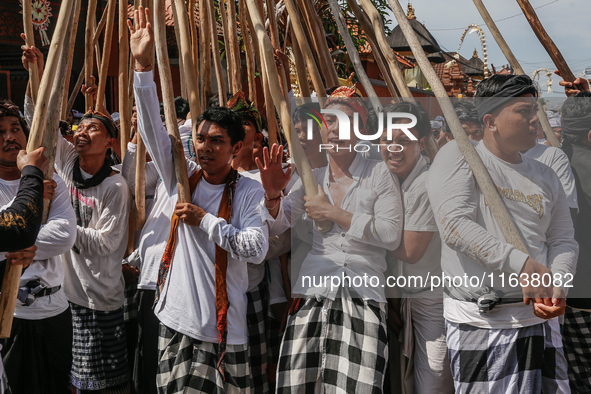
376, 227
128, 169
93, 265
55, 238
187, 302
472, 242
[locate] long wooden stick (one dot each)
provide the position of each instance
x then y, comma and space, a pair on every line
123, 78
89, 50
492, 26
227, 45
215, 48
236, 75
204, 53
184, 93
300, 66
375, 49
140, 184
30, 41
306, 51
76, 90
274, 31
71, 45
488, 188
393, 65
194, 45
546, 41
184, 42
354, 55
45, 98
249, 50
102, 83
316, 30
180, 165
310, 185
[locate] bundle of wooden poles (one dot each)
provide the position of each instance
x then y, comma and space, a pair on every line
250, 33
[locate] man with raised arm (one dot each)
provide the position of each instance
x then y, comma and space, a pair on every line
203, 277
93, 281
501, 303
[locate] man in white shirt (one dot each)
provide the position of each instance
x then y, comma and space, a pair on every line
502, 333
335, 337
37, 356
419, 254
203, 278
93, 281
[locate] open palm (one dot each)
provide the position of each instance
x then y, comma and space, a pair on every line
273, 178
141, 40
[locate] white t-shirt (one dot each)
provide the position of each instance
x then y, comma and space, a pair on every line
55, 238
558, 161
418, 216
93, 265
472, 242
93, 276
187, 301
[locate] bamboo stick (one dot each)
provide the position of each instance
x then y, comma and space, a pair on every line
76, 90
354, 55
375, 49
30, 42
310, 185
180, 165
393, 65
47, 99
229, 53
274, 30
236, 74
307, 52
182, 66
71, 45
184, 43
515, 65
249, 50
123, 78
319, 40
89, 50
205, 53
488, 188
194, 44
215, 47
300, 66
102, 83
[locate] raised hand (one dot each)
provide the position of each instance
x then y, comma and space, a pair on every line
571, 88
141, 40
273, 178
31, 55
35, 158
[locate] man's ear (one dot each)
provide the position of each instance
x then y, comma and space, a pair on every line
489, 122
111, 142
258, 137
236, 148
589, 138
423, 142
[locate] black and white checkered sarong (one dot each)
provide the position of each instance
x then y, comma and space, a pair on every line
256, 312
189, 365
341, 345
515, 360
576, 337
99, 349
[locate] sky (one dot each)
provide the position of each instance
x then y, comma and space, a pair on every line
567, 22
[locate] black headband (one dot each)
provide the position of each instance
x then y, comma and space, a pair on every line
111, 128
577, 126
514, 87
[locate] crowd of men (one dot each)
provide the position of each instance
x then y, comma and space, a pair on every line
228, 292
